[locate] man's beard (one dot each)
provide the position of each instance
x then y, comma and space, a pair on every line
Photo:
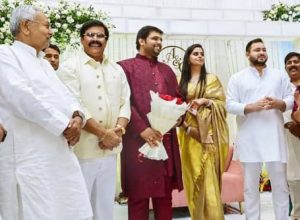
256, 62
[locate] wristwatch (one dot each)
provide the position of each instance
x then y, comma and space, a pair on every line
78, 114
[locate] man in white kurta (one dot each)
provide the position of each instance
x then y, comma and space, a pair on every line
292, 66
102, 89
40, 177
258, 95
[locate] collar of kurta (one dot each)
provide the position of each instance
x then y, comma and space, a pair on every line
86, 59
254, 70
153, 60
28, 48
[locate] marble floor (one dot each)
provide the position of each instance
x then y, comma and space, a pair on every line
120, 212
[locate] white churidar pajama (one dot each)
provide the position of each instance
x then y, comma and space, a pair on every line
100, 177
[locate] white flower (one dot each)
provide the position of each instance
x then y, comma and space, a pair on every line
284, 16
60, 16
6, 24
70, 19
7, 41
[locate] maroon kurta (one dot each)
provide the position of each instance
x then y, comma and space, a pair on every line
147, 178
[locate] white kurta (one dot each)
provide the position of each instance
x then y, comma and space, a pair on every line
293, 165
40, 177
260, 136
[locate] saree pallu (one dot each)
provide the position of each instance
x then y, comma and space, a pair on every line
203, 160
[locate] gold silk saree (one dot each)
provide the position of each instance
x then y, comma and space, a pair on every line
203, 160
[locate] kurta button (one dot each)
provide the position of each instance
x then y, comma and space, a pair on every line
99, 97
100, 121
100, 108
98, 76
156, 84
98, 86
153, 74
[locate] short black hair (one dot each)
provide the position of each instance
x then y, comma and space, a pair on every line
249, 44
144, 32
54, 47
93, 23
290, 55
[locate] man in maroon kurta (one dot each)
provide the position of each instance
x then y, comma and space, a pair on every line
143, 178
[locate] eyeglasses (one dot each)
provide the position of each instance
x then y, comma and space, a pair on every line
97, 35
47, 25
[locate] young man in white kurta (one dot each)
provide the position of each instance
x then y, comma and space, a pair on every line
292, 66
258, 95
40, 177
102, 89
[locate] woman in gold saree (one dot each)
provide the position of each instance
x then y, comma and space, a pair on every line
203, 137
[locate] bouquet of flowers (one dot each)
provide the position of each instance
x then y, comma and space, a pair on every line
165, 111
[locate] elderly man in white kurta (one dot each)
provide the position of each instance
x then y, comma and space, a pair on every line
292, 66
102, 89
40, 177
258, 95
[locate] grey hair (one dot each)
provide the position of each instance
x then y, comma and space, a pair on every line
22, 12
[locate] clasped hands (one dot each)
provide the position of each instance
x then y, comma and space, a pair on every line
265, 103
151, 136
111, 138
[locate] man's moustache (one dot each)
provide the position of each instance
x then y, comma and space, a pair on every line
95, 42
293, 68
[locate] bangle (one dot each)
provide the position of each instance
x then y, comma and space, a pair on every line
123, 130
102, 138
188, 129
